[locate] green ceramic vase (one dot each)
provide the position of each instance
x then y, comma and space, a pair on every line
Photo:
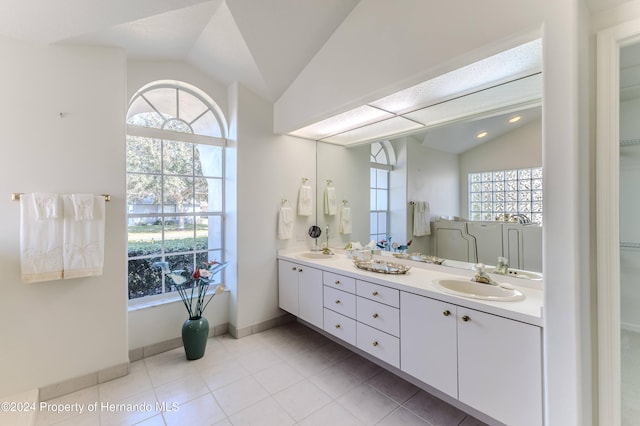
195, 332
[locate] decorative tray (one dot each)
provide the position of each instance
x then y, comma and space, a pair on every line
381, 266
419, 257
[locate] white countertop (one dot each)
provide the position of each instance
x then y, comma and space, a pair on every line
420, 280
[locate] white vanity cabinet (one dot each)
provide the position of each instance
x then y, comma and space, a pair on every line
428, 342
300, 291
490, 363
500, 367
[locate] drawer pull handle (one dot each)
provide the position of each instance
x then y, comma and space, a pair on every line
375, 293
466, 318
338, 301
375, 315
337, 325
446, 313
375, 343
337, 282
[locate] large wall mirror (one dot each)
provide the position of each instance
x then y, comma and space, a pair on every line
618, 233
381, 181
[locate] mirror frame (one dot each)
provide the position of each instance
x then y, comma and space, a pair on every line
609, 43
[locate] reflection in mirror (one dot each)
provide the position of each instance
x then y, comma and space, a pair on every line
382, 183
629, 230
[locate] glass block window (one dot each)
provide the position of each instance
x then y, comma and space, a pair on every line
509, 192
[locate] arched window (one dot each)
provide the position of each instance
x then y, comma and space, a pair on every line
175, 189
382, 160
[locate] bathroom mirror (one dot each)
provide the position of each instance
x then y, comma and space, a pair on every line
432, 165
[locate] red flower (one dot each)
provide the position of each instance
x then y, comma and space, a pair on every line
196, 274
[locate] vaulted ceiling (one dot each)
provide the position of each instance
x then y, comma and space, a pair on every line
263, 44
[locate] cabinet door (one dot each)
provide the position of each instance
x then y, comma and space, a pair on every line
428, 342
310, 302
500, 367
288, 286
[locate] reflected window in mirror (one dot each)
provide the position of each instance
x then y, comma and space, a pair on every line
382, 157
506, 195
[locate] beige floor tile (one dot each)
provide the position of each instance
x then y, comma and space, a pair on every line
402, 416
129, 411
202, 411
265, 413
367, 404
332, 414
259, 360
335, 381
434, 410
240, 394
67, 406
393, 386
302, 399
137, 381
360, 367
278, 377
223, 375
182, 390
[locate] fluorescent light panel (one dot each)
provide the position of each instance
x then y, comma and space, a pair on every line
356, 117
425, 102
374, 131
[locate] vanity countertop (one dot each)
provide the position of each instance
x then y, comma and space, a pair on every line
420, 280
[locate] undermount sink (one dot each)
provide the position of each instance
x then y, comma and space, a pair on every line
474, 290
517, 273
316, 255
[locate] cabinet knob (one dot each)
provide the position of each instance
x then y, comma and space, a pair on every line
337, 301
337, 282
375, 293
300, 270
375, 343
466, 318
337, 325
375, 315
294, 269
446, 313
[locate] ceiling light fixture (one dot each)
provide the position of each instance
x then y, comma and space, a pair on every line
515, 119
481, 135
453, 96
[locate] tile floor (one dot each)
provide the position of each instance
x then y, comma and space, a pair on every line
289, 375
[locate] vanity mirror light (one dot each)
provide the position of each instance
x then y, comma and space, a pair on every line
432, 165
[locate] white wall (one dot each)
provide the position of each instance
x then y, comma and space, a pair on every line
519, 149
269, 168
57, 330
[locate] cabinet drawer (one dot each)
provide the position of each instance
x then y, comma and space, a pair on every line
340, 326
340, 301
379, 344
377, 315
339, 281
379, 293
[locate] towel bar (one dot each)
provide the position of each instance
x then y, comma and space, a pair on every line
15, 196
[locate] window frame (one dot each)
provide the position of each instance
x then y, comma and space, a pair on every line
164, 136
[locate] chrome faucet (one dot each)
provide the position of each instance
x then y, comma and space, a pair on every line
521, 218
481, 276
503, 266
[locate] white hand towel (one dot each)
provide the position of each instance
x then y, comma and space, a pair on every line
330, 202
83, 253
305, 201
82, 206
345, 220
40, 239
285, 223
421, 219
47, 206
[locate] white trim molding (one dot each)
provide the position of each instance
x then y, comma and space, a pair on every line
609, 42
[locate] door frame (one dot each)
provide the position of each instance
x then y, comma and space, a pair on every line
609, 42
